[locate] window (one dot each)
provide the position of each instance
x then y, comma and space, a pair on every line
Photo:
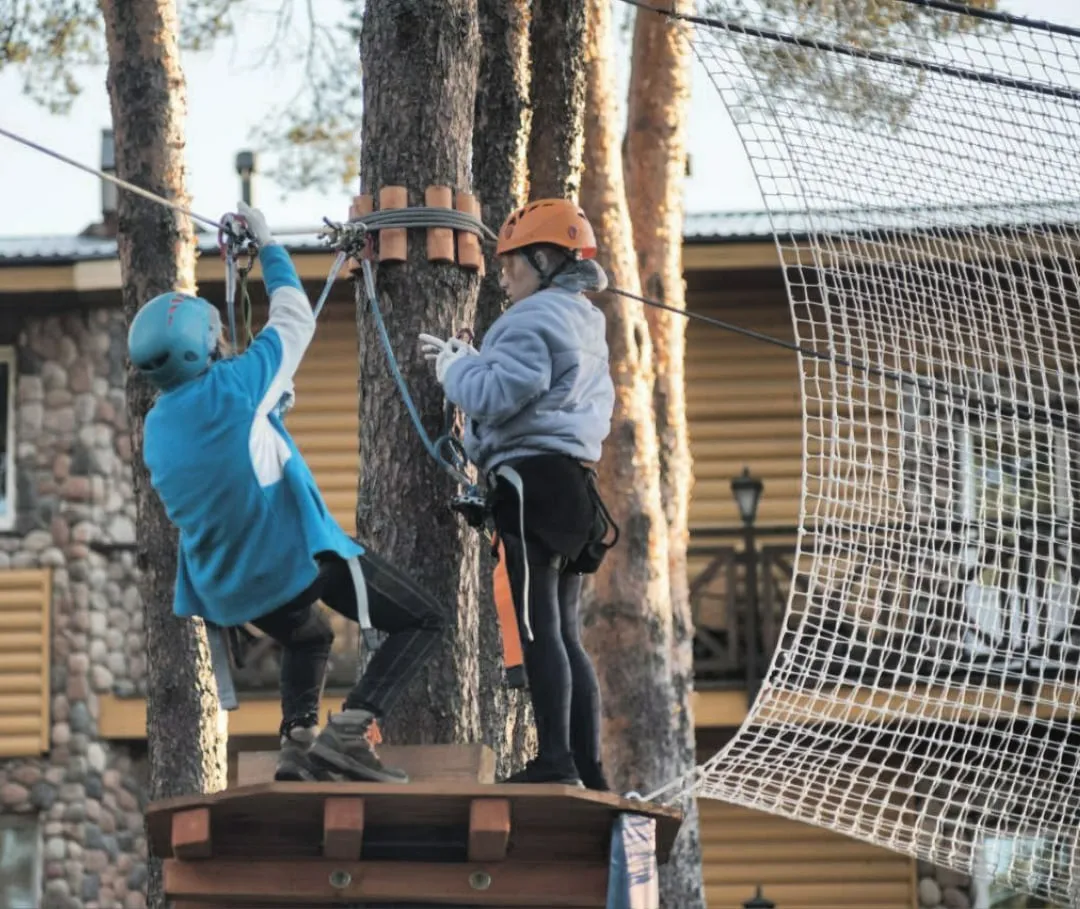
1017, 498
8, 378
20, 862
1030, 858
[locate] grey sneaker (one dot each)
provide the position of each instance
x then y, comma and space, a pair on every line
294, 764
344, 747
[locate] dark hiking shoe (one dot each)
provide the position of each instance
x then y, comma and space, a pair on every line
344, 746
538, 771
294, 762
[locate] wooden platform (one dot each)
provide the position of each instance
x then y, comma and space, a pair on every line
427, 843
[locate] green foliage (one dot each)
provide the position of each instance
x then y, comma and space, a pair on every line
48, 40
202, 22
311, 139
314, 137
865, 91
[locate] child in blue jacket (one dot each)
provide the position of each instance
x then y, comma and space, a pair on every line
538, 400
256, 541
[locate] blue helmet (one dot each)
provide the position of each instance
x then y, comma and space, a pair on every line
173, 338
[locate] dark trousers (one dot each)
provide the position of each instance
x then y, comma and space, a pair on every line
562, 682
413, 620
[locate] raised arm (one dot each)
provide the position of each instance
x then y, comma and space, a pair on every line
266, 369
500, 381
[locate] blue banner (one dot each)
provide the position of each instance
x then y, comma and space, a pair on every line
633, 876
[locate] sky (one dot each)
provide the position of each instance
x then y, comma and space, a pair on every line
229, 94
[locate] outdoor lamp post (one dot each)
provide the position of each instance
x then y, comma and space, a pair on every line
747, 492
758, 901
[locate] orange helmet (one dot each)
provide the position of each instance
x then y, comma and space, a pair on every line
554, 221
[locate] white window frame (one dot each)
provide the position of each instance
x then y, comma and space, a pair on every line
8, 356
986, 893
972, 499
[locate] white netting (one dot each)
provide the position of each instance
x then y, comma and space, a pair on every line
923, 696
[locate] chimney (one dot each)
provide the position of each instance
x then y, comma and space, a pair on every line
245, 167
108, 190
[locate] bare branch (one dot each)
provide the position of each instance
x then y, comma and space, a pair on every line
848, 86
313, 137
47, 40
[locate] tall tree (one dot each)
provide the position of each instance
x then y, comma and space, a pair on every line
655, 165
499, 147
556, 37
628, 623
157, 254
649, 727
501, 137
420, 60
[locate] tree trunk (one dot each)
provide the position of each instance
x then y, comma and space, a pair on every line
557, 39
156, 246
628, 623
420, 60
499, 143
502, 131
655, 162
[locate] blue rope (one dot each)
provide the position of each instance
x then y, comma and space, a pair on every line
433, 448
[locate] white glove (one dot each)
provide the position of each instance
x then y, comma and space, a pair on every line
445, 352
431, 346
256, 222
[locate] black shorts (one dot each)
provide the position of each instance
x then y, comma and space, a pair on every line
560, 512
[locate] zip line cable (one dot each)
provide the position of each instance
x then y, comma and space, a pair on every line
462, 221
123, 184
992, 15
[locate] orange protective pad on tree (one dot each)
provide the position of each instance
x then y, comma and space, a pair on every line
504, 607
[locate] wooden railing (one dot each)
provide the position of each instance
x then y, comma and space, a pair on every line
726, 611
719, 600
899, 604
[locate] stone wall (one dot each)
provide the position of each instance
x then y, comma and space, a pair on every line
74, 490
941, 888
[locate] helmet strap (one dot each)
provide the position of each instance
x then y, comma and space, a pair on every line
546, 278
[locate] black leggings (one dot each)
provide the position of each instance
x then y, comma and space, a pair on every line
562, 682
413, 620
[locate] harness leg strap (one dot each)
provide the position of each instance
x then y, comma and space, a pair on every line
514, 479
369, 637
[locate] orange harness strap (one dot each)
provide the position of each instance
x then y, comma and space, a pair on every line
504, 607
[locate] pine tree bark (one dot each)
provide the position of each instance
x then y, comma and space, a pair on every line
420, 60
501, 137
157, 253
655, 164
557, 42
628, 624
499, 147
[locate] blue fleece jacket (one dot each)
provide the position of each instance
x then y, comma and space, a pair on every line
540, 383
233, 482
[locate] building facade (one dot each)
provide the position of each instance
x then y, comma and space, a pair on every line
72, 660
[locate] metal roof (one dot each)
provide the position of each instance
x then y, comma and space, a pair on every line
700, 227
744, 226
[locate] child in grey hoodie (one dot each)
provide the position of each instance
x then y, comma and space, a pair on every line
538, 400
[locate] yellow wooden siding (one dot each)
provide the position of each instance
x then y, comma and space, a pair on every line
745, 409
25, 609
797, 865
